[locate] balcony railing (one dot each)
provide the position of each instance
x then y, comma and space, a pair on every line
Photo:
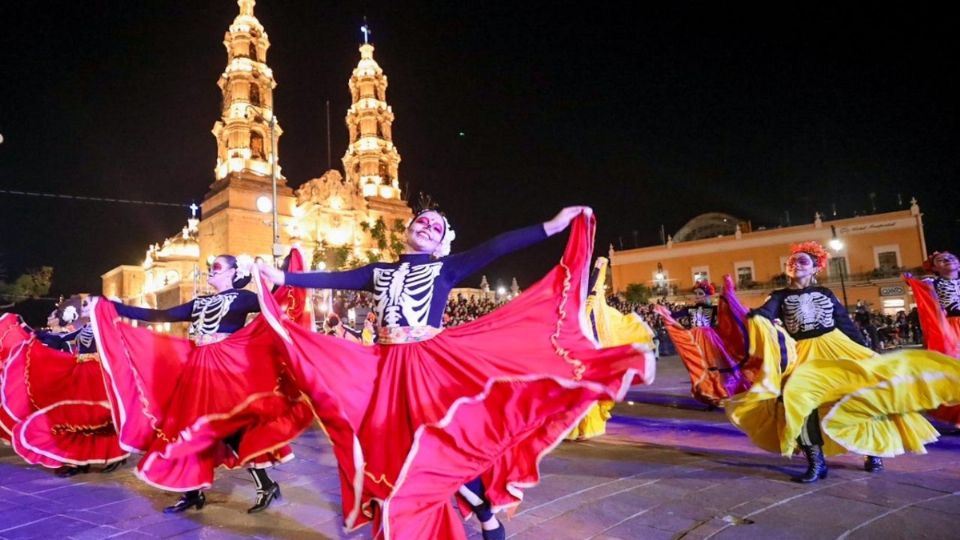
851, 279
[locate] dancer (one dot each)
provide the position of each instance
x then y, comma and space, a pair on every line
429, 413
714, 348
190, 406
54, 401
815, 366
610, 328
938, 307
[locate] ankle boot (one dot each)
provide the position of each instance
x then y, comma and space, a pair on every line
113, 466
187, 501
872, 464
265, 496
500, 533
816, 465
71, 470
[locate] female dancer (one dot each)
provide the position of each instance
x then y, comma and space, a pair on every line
814, 367
429, 413
190, 407
715, 345
610, 328
55, 404
938, 305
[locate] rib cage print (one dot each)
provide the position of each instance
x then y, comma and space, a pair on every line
701, 317
209, 311
948, 294
85, 337
403, 294
806, 312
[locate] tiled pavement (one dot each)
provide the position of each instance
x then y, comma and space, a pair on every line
666, 469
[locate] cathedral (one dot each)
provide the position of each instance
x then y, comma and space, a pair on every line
338, 220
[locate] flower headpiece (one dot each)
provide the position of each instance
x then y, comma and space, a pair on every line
928, 264
703, 285
424, 204
813, 249
244, 265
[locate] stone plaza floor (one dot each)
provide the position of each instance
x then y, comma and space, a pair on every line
666, 469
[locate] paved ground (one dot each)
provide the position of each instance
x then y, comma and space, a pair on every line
666, 469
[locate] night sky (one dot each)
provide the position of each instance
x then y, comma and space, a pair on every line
504, 112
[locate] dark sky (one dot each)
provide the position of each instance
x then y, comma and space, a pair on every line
651, 115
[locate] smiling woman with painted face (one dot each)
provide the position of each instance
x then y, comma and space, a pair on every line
192, 405
821, 389
429, 413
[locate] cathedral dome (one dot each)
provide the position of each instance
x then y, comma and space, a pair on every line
709, 225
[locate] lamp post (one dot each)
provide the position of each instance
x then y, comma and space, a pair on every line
276, 247
837, 245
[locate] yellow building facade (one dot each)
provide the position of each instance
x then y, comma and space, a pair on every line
352, 216
875, 249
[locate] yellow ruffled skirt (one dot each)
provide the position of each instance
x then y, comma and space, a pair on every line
869, 404
613, 329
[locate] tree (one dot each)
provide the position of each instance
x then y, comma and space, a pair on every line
638, 293
33, 284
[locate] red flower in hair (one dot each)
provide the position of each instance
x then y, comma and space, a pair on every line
813, 249
928, 264
705, 286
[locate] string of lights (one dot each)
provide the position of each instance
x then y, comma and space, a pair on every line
89, 198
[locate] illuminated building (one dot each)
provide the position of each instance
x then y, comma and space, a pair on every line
347, 219
875, 249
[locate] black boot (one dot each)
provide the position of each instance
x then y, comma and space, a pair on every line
816, 465
267, 490
265, 496
872, 464
187, 501
500, 533
70, 470
113, 466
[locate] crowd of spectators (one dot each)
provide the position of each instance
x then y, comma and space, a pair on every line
882, 332
462, 309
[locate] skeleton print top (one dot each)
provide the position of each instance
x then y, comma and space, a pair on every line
948, 293
221, 313
699, 316
808, 313
79, 341
413, 291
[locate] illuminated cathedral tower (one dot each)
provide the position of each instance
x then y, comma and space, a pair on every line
247, 153
371, 160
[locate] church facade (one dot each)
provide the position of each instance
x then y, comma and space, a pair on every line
338, 219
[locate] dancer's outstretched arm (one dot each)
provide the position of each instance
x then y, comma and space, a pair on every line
472, 260
174, 314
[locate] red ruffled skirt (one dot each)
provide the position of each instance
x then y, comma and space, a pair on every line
55, 407
176, 402
411, 423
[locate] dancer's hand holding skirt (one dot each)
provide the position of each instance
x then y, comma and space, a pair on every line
411, 423
175, 401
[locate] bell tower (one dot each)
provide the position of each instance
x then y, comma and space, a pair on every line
237, 211
371, 160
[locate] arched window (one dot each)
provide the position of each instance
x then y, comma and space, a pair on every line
252, 50
256, 146
254, 94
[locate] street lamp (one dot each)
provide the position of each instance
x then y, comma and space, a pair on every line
836, 245
277, 249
